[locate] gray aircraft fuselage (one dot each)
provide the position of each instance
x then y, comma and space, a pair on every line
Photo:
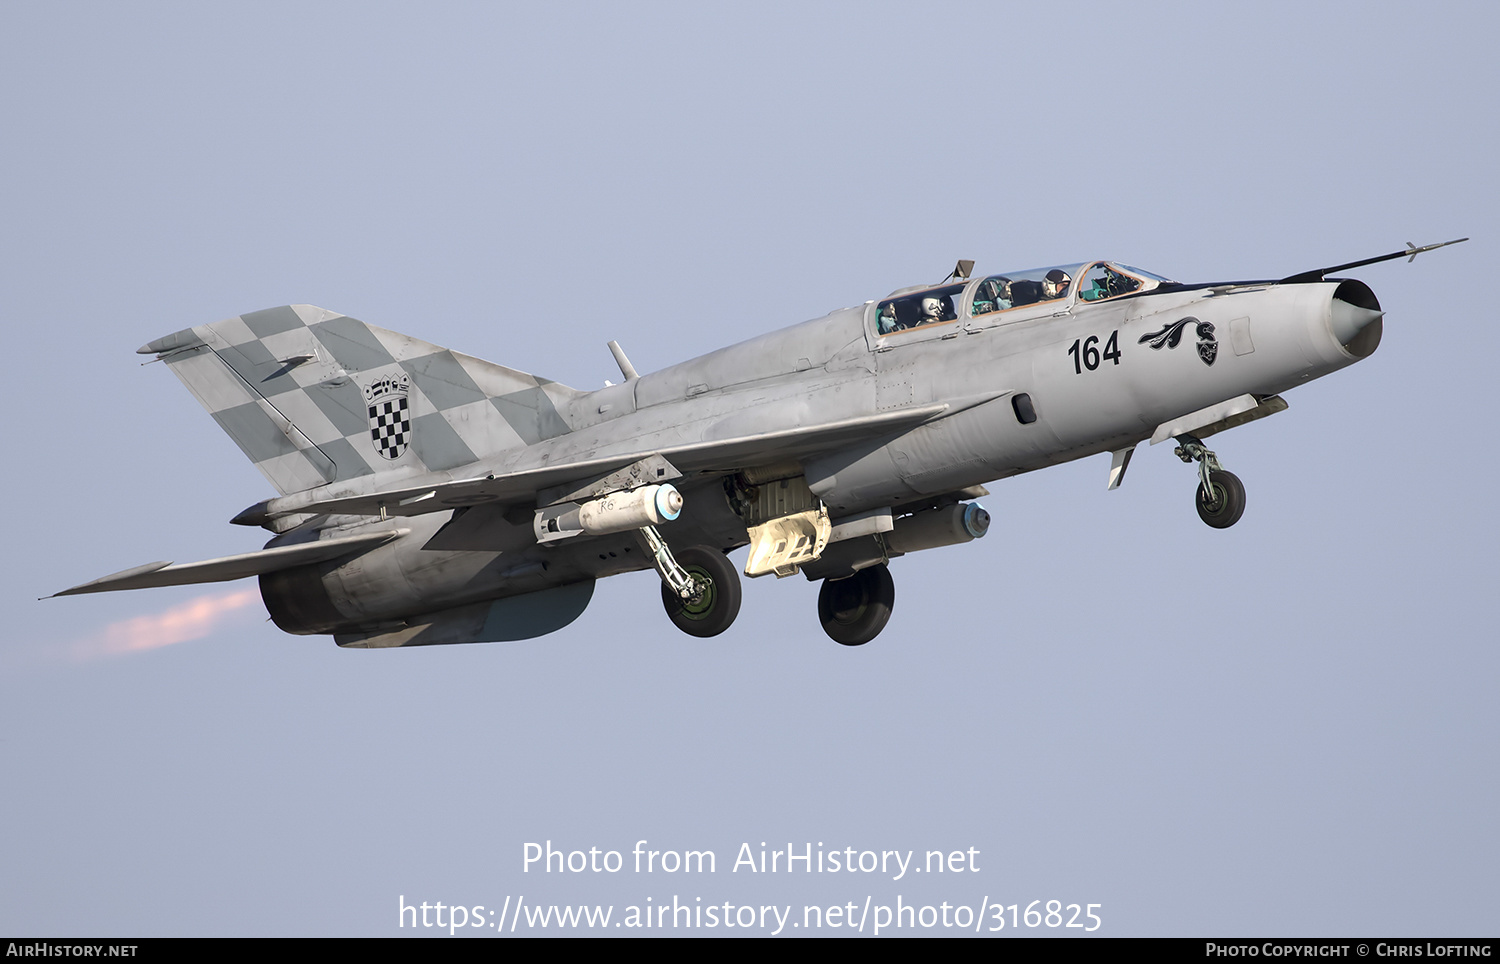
452, 513
838, 369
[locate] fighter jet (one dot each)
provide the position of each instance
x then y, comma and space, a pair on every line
426, 496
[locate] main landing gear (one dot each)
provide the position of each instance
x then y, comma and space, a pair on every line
715, 602
853, 611
700, 588
1221, 495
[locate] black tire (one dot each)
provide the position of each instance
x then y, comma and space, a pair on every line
1228, 503
853, 611
715, 609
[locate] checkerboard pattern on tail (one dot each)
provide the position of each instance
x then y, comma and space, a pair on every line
290, 385
390, 424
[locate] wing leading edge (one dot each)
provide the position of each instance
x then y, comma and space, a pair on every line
225, 568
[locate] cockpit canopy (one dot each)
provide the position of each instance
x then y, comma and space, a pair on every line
1063, 285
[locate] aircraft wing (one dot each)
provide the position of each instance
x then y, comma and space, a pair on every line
701, 457
154, 574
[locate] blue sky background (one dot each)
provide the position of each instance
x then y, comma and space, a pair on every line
1284, 728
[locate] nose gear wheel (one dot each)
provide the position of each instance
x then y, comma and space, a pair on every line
1223, 502
1220, 495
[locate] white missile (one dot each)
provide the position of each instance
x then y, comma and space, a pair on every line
615, 512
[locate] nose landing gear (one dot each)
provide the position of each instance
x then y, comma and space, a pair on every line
1221, 495
1226, 504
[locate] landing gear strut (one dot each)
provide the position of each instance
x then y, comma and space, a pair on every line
854, 610
1221, 495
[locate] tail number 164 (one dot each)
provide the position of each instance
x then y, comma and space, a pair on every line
1086, 354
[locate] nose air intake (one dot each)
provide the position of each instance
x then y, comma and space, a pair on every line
1354, 316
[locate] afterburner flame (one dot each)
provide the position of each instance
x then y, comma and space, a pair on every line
182, 623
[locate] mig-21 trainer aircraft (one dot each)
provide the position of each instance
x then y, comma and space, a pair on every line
428, 497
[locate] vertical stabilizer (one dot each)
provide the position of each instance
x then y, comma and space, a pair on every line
313, 397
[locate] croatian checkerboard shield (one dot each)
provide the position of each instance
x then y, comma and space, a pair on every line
390, 414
